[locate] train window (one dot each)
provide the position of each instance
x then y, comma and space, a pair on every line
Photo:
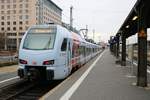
64, 45
69, 48
39, 40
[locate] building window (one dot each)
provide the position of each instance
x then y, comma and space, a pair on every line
11, 34
20, 11
2, 6
14, 6
2, 29
14, 28
20, 22
2, 12
26, 5
14, 23
20, 5
27, 11
20, 28
27, 22
2, 23
20, 17
8, 12
8, 28
27, 17
14, 11
8, 6
8, 23
8, 17
8, 1
2, 1
14, 1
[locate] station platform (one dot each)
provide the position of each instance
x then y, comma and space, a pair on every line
8, 69
103, 80
8, 72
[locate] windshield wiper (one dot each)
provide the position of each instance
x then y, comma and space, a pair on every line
49, 41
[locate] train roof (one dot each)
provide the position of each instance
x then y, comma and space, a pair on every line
74, 35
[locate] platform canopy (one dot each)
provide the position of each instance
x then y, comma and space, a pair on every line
130, 25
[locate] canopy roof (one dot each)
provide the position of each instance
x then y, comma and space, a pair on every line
130, 25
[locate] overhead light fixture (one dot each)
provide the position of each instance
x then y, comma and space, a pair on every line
127, 26
135, 17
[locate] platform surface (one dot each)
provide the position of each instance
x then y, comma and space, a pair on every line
105, 81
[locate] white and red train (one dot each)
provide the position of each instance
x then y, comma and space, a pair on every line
51, 52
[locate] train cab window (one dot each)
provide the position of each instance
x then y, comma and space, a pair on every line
64, 45
40, 39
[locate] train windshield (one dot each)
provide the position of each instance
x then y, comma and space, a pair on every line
40, 39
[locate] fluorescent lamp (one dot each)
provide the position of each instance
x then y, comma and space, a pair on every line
127, 26
135, 17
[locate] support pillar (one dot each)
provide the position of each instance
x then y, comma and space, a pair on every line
114, 48
142, 47
111, 44
123, 58
117, 51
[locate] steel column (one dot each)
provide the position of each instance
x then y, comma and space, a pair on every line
123, 58
117, 52
142, 46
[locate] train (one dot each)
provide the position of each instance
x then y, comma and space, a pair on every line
51, 52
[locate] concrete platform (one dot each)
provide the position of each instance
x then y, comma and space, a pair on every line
103, 80
8, 72
8, 69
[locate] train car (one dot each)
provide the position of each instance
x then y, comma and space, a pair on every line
51, 52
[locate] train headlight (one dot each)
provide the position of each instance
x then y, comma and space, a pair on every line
48, 62
21, 61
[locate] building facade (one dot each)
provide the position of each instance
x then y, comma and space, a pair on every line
16, 16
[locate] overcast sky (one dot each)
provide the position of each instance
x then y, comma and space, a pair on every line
103, 16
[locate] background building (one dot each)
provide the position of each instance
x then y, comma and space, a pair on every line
17, 15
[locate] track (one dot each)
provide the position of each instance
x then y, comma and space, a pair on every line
26, 90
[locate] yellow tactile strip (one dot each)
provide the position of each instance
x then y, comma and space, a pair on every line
7, 69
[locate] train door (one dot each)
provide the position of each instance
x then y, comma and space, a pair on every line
63, 56
66, 51
69, 55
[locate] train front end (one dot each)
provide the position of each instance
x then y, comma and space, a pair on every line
37, 53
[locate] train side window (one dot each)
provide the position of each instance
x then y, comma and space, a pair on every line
64, 45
